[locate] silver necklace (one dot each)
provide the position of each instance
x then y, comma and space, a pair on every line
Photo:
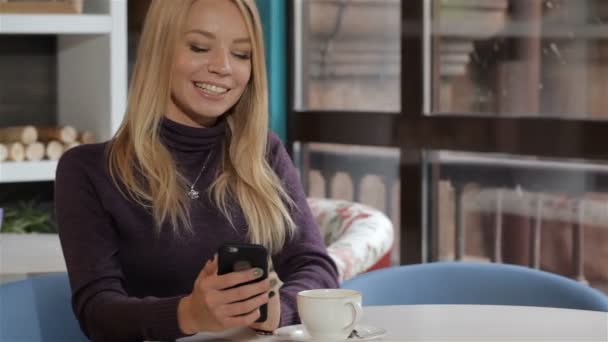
192, 192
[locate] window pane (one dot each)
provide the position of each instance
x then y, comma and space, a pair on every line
347, 55
520, 57
367, 175
550, 214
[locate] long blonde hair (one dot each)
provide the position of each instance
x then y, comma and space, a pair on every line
144, 170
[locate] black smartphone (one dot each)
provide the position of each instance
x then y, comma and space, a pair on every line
234, 257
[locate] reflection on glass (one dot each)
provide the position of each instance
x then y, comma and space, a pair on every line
347, 55
546, 214
363, 174
520, 57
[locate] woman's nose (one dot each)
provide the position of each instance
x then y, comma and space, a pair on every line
219, 63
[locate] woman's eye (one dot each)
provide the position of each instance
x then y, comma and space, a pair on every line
242, 55
197, 49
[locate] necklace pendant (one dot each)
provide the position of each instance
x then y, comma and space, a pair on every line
193, 194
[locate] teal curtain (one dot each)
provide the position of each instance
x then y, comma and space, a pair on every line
273, 13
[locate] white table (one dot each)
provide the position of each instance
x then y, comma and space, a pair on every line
466, 322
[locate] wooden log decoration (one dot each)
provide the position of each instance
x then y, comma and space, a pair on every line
16, 152
41, 6
86, 137
3, 152
65, 134
23, 134
34, 152
54, 150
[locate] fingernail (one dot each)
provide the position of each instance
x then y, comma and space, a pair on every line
258, 272
273, 282
271, 294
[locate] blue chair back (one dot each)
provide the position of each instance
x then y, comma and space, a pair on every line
38, 309
474, 283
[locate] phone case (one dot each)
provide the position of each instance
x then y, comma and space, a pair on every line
239, 256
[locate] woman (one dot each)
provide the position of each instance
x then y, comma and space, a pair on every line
192, 167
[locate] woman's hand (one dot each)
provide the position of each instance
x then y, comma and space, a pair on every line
274, 306
212, 306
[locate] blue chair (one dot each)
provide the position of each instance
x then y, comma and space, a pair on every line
474, 283
38, 309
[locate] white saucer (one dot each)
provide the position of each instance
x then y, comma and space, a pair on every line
299, 333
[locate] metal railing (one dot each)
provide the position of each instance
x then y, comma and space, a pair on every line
507, 188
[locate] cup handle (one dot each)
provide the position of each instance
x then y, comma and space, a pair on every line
357, 315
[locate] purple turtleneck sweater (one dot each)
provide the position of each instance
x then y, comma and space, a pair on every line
127, 279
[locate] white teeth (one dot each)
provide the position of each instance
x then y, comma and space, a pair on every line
210, 87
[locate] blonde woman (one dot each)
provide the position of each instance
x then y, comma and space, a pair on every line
192, 167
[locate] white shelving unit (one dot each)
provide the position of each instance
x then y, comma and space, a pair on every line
34, 171
55, 24
91, 73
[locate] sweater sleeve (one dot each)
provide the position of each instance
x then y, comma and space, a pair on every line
90, 244
303, 263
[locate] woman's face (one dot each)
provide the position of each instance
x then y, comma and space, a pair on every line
212, 64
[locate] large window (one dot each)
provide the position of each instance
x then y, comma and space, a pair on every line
487, 111
348, 55
536, 58
346, 59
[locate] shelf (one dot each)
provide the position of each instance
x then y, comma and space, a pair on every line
11, 172
91, 69
55, 24
30, 253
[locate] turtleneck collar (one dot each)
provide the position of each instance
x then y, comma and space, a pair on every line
180, 137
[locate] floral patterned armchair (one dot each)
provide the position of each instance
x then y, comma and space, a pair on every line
358, 238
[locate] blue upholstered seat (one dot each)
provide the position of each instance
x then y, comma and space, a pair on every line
38, 309
474, 283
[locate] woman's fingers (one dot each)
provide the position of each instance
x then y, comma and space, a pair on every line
208, 270
241, 321
243, 307
275, 282
220, 290
226, 281
221, 303
211, 266
274, 306
244, 292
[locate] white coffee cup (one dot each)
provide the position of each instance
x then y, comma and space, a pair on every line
330, 314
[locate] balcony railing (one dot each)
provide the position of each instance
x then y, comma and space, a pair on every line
501, 193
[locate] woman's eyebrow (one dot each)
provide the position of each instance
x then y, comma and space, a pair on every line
210, 35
